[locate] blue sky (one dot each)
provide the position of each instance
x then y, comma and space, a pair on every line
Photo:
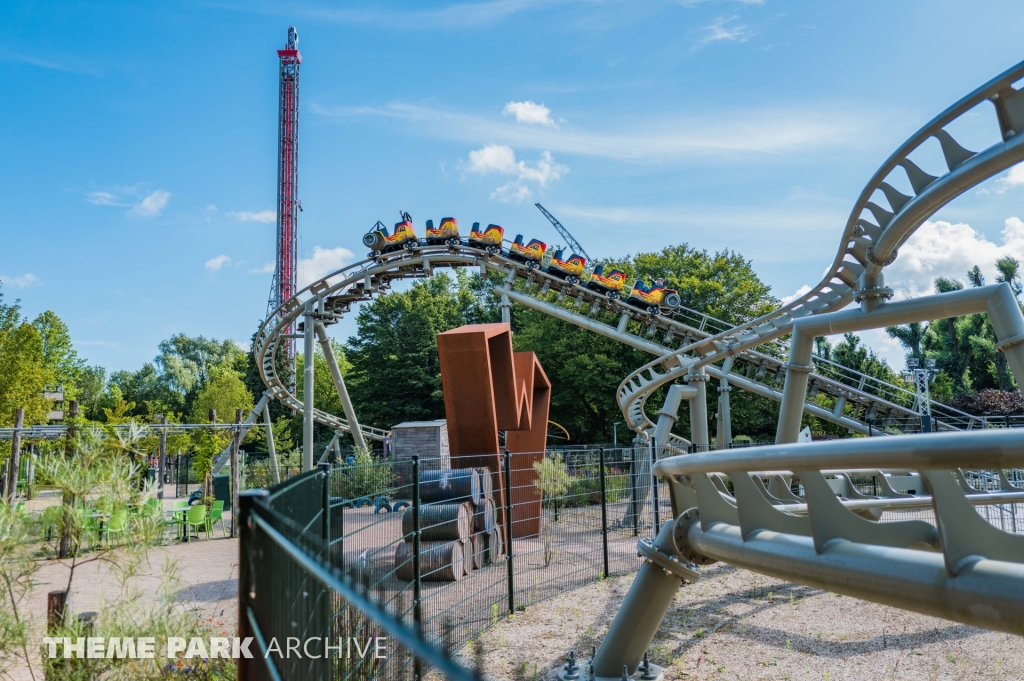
138, 182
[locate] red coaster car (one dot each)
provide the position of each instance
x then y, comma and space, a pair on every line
531, 253
570, 269
381, 242
610, 284
447, 233
488, 239
655, 297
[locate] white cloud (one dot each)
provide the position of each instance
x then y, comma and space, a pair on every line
721, 31
151, 204
529, 112
214, 264
211, 207
101, 343
942, 249
103, 199
268, 268
321, 263
247, 216
695, 3
1013, 178
718, 137
453, 15
500, 159
786, 300
24, 281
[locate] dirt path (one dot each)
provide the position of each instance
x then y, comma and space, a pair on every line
736, 624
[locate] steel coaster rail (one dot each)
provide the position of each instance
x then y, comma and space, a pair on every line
961, 567
867, 247
332, 296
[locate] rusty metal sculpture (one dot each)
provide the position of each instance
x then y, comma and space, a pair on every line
489, 388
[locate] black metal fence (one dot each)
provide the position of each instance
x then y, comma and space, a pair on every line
325, 554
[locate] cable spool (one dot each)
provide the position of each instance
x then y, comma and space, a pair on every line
450, 485
468, 562
478, 550
440, 522
439, 561
483, 516
486, 483
494, 551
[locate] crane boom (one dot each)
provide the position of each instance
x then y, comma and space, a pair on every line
573, 244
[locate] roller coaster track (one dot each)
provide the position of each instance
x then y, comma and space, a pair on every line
866, 248
687, 339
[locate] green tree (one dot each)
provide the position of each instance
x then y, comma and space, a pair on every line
60, 359
912, 337
1009, 272
23, 373
90, 387
224, 391
396, 374
723, 284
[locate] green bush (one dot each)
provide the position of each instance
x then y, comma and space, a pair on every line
365, 478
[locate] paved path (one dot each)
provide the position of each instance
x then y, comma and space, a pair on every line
207, 571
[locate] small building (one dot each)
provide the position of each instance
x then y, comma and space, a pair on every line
426, 439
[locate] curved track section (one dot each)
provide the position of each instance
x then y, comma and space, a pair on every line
872, 235
688, 339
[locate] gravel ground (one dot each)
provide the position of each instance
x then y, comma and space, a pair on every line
736, 624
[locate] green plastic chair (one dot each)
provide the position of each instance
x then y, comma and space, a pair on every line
179, 509
196, 518
90, 527
216, 513
151, 509
50, 520
117, 524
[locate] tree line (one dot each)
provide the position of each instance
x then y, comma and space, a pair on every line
393, 373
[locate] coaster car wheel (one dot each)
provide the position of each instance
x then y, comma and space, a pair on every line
410, 245
493, 250
573, 280
532, 265
654, 310
613, 295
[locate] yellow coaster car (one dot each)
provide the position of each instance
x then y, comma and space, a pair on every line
380, 241
610, 284
570, 269
488, 239
447, 233
654, 297
531, 253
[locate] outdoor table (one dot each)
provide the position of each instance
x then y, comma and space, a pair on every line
183, 512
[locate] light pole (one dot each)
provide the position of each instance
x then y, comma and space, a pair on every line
615, 434
921, 377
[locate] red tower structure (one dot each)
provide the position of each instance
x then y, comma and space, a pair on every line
288, 205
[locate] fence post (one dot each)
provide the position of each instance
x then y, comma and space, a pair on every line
236, 473
654, 488
246, 500
162, 463
604, 513
326, 469
417, 611
15, 469
507, 458
325, 554
634, 475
